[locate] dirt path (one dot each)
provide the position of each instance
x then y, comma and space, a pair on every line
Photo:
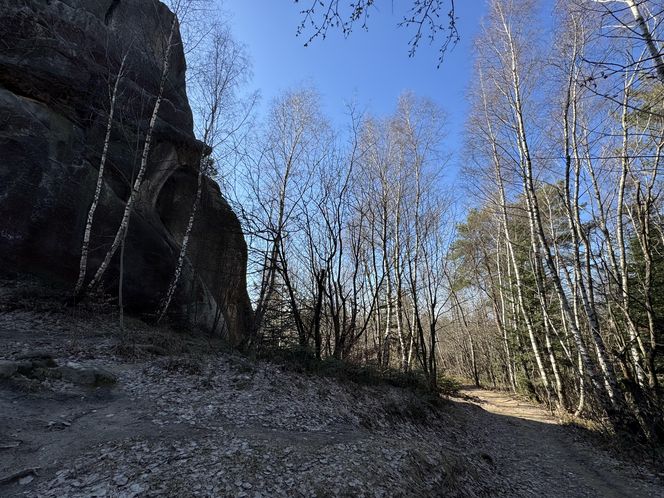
190, 422
544, 458
502, 403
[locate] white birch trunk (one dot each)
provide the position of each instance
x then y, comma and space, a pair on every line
83, 263
183, 248
539, 239
122, 229
647, 37
635, 344
508, 241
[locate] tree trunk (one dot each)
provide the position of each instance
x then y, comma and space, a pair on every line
83, 264
539, 239
122, 229
183, 247
647, 37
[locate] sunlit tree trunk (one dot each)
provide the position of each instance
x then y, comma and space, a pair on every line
537, 232
510, 248
655, 54
635, 344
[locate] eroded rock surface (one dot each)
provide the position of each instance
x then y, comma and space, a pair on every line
57, 60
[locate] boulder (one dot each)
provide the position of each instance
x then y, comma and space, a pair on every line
41, 359
86, 375
57, 62
8, 368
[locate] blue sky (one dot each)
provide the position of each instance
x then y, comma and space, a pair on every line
371, 67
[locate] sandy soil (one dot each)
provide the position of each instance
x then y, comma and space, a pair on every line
544, 458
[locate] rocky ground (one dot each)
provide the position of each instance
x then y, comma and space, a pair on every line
88, 410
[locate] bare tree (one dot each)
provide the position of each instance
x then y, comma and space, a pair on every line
135, 190
113, 97
278, 178
423, 16
224, 69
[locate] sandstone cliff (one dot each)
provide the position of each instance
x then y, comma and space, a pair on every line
57, 58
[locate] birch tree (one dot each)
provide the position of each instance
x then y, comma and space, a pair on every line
223, 70
145, 155
113, 97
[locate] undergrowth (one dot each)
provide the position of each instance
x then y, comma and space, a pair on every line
304, 361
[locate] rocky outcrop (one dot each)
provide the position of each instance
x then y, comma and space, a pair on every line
57, 60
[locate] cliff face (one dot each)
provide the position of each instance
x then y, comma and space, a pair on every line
57, 59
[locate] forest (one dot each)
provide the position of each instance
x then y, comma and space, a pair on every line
546, 279
233, 235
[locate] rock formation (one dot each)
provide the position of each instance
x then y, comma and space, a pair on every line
57, 59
